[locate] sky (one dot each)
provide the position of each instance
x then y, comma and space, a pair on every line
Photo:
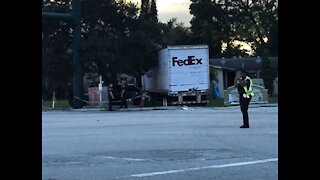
168, 9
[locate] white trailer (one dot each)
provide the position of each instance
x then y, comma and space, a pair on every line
182, 75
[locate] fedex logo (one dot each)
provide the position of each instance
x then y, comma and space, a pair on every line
190, 61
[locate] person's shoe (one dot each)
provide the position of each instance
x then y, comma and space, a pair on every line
110, 110
244, 126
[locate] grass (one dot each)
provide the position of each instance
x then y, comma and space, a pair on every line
220, 102
64, 104
216, 103
273, 99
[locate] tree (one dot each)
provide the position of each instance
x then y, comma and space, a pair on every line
144, 10
114, 40
262, 18
149, 20
267, 73
225, 22
206, 25
174, 33
117, 40
258, 24
56, 56
273, 41
149, 10
153, 11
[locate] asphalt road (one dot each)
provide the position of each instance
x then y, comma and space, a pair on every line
181, 144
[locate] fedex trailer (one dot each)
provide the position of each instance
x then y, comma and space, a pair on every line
182, 75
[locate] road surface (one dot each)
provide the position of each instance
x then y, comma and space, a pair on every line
179, 144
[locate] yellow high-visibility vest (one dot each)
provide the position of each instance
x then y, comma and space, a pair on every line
248, 91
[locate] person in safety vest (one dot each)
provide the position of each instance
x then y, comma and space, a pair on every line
244, 85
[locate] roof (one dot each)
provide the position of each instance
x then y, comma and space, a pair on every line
253, 63
196, 46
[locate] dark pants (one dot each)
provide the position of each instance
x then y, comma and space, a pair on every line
244, 105
124, 102
110, 103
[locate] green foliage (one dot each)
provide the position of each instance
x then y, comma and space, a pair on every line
114, 40
222, 21
206, 25
217, 103
118, 37
267, 73
273, 99
59, 104
174, 33
149, 11
154, 11
117, 40
56, 58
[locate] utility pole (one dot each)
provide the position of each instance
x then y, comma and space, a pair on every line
75, 18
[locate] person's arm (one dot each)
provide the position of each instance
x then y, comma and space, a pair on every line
110, 93
236, 82
122, 93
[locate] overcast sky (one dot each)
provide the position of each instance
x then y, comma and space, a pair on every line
168, 9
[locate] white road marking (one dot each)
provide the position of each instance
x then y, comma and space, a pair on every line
133, 159
205, 167
108, 157
127, 159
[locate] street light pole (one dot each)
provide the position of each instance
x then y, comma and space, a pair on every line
75, 18
77, 65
